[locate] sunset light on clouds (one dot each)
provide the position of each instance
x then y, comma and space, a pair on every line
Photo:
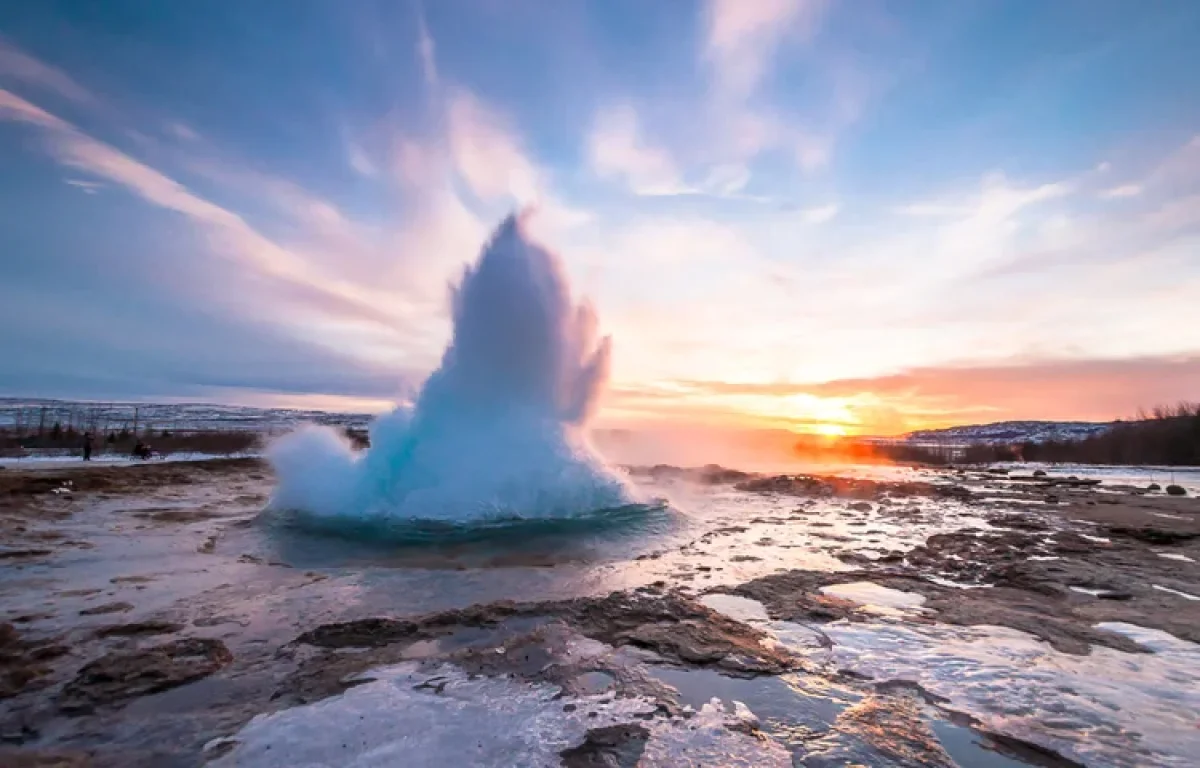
838, 218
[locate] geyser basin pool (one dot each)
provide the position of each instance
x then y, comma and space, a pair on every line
497, 431
309, 541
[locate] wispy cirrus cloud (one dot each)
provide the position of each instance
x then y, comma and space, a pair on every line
76, 150
743, 36
426, 51
617, 149
87, 187
742, 41
1125, 190
486, 152
734, 121
19, 66
820, 214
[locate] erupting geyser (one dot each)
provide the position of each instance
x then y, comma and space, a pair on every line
498, 430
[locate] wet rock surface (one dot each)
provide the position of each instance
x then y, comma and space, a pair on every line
24, 663
830, 486
675, 628
100, 610
710, 474
139, 629
12, 758
1054, 572
890, 731
99, 671
614, 746
122, 675
1077, 583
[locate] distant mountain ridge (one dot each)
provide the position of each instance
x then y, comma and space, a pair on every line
31, 413
1007, 432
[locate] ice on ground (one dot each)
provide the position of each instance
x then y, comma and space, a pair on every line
1188, 477
415, 716
875, 597
705, 740
736, 607
1124, 710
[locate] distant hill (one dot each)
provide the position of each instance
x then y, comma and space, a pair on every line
1010, 432
32, 414
1166, 436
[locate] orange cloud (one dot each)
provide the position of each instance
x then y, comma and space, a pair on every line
1062, 389
929, 397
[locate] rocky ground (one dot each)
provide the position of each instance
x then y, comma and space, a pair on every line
1075, 556
141, 625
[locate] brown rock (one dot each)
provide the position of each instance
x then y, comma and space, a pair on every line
123, 675
106, 608
615, 746
39, 758
139, 628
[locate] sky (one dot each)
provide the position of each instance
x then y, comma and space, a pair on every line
841, 217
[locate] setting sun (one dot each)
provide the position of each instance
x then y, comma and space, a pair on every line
829, 430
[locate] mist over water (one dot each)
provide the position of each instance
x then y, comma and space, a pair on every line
497, 431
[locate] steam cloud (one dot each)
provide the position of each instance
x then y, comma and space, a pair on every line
497, 431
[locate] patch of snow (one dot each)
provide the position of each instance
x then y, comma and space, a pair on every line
942, 581
1092, 592
1097, 539
1175, 592
1175, 556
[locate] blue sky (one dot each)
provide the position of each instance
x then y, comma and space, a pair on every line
874, 215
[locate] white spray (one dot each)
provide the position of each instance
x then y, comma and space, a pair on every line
498, 430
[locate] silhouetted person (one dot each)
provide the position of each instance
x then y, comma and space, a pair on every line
141, 450
87, 446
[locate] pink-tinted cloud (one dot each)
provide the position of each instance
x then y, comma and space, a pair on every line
743, 36
1125, 190
20, 66
617, 149
486, 152
14, 108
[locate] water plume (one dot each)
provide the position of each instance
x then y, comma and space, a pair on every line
496, 432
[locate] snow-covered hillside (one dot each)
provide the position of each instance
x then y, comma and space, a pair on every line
1005, 432
30, 414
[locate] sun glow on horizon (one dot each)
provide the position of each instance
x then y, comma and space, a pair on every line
830, 430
